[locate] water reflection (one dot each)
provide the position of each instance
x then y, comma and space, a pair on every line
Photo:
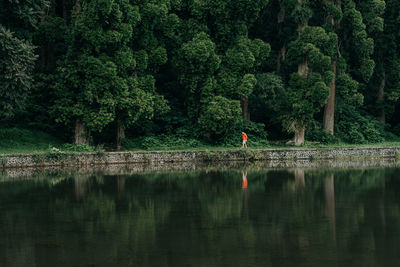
245, 213
285, 217
329, 192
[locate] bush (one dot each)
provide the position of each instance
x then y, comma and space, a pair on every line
77, 148
162, 142
218, 118
354, 128
318, 135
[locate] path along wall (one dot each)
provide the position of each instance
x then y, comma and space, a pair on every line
160, 157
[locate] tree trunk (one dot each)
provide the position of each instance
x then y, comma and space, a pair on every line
120, 134
244, 102
282, 52
299, 135
300, 130
329, 111
77, 7
381, 94
281, 58
301, 26
64, 10
302, 68
81, 134
43, 49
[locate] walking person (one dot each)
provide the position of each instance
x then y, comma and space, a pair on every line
244, 137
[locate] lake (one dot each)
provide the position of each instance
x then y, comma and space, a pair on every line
242, 216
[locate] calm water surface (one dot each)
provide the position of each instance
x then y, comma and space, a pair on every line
242, 217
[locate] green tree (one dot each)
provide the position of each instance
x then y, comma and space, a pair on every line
333, 17
308, 88
237, 74
228, 23
18, 19
99, 76
197, 64
218, 117
387, 57
17, 59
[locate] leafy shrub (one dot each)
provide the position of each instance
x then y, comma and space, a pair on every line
218, 117
77, 148
318, 135
354, 128
161, 142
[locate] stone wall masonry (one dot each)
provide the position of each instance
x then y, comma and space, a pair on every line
161, 157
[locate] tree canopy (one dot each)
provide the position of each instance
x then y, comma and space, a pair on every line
103, 70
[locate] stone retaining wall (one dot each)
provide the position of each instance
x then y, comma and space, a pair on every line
161, 157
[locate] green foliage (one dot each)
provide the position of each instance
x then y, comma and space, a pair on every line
161, 142
308, 92
320, 136
77, 148
316, 45
301, 13
236, 78
353, 128
218, 117
22, 17
358, 45
16, 66
372, 11
305, 96
197, 64
270, 90
179, 68
101, 69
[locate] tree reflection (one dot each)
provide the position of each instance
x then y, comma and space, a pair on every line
283, 218
299, 178
329, 192
80, 187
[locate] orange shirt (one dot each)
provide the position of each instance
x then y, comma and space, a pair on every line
244, 136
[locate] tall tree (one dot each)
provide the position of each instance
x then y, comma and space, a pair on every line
228, 23
237, 74
198, 63
307, 88
99, 75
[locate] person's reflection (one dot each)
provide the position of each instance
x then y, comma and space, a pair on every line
244, 180
245, 213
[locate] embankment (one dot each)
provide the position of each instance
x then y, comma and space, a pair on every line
163, 157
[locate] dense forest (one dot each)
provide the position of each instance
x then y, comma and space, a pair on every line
112, 71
